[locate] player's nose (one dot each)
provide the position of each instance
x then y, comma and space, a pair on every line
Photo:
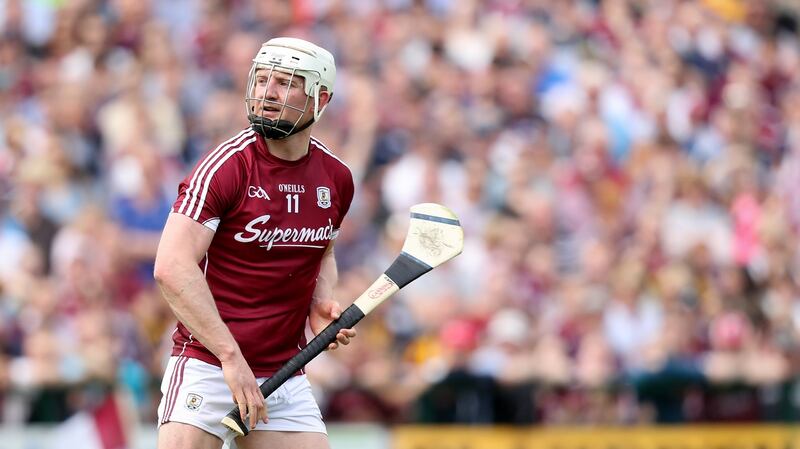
273, 90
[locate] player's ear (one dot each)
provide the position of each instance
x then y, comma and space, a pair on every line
324, 97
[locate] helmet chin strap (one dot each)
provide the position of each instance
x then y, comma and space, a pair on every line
275, 129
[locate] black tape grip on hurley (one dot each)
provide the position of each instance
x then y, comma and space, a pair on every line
348, 319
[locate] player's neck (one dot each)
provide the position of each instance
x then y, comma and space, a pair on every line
291, 148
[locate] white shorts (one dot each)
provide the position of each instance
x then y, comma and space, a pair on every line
195, 393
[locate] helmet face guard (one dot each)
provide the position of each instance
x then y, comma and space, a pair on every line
279, 128
295, 58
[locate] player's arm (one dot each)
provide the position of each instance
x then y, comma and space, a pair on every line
183, 244
328, 275
324, 308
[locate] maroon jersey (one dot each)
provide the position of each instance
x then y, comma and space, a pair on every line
273, 220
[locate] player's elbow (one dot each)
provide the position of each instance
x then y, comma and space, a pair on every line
160, 272
165, 270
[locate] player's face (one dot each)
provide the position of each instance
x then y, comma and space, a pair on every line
274, 89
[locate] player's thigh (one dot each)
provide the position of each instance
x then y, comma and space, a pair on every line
267, 439
175, 435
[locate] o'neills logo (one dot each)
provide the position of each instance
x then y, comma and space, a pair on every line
256, 231
380, 290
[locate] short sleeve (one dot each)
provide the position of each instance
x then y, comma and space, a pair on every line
347, 191
212, 187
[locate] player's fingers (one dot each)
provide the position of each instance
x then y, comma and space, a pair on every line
242, 403
264, 410
256, 405
333, 346
344, 336
335, 310
253, 417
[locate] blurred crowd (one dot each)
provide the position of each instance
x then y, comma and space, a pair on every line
626, 172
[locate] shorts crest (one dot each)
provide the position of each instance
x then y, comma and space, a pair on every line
193, 401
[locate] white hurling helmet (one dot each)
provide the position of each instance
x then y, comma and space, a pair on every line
295, 57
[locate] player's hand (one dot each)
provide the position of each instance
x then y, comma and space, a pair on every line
244, 388
323, 311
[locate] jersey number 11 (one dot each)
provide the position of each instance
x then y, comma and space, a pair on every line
293, 203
